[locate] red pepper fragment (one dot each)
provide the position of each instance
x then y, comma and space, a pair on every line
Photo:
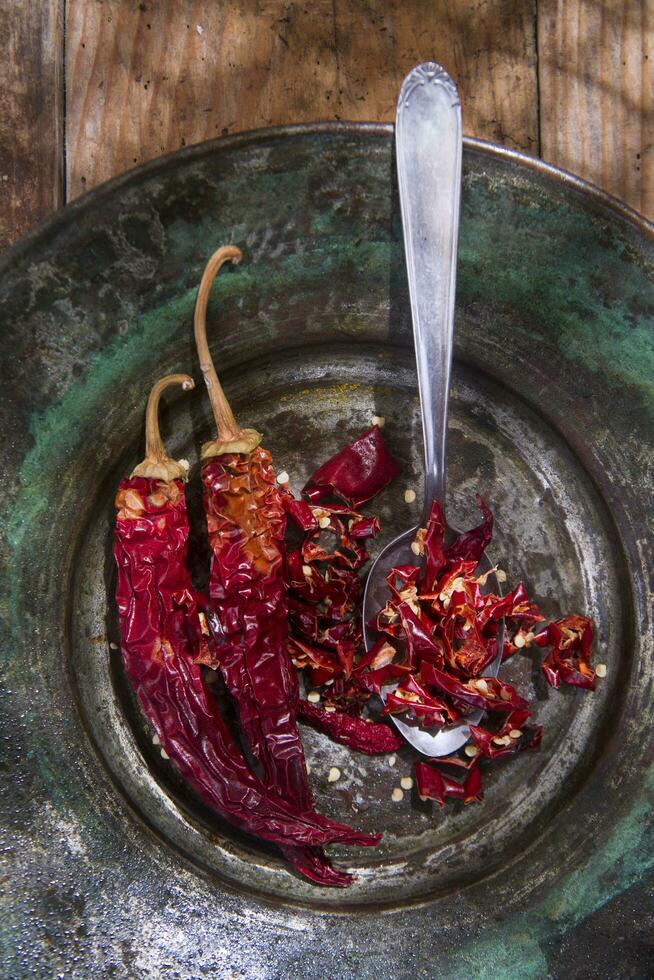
470, 545
569, 658
410, 696
356, 473
514, 736
488, 693
373, 738
435, 785
433, 545
375, 680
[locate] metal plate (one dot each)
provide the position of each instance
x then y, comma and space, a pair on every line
116, 868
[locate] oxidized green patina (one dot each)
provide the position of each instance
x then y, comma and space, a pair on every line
110, 867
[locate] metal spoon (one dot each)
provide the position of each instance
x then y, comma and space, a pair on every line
428, 150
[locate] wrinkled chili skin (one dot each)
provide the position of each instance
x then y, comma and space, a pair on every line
369, 737
246, 524
356, 473
433, 784
160, 637
248, 616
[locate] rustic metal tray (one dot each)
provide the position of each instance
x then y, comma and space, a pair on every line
114, 868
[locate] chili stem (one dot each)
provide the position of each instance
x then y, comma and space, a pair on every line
157, 464
231, 438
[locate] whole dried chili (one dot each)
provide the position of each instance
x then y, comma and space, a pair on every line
248, 616
161, 642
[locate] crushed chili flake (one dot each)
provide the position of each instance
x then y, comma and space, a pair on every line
437, 635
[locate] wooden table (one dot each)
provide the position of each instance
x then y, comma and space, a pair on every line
91, 88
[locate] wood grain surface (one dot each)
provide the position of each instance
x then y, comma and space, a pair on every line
596, 80
570, 80
31, 114
147, 78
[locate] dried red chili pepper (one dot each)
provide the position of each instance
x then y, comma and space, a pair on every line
372, 738
514, 736
488, 693
246, 519
410, 696
356, 473
433, 784
569, 659
161, 640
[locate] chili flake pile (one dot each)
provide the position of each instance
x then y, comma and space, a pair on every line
438, 633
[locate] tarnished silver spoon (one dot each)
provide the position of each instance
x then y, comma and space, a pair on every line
428, 146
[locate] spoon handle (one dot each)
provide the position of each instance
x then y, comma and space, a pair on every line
428, 149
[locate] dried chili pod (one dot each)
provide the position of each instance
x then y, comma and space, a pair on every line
248, 616
161, 642
373, 738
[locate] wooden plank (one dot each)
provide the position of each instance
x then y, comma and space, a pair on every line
31, 114
488, 48
596, 81
146, 78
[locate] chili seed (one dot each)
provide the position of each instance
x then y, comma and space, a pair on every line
330, 709
502, 740
409, 496
283, 477
392, 760
415, 548
481, 685
164, 754
184, 463
334, 775
324, 522
500, 575
397, 795
155, 739
471, 751
600, 670
113, 646
406, 782
518, 640
307, 767
515, 733
313, 696
379, 421
306, 571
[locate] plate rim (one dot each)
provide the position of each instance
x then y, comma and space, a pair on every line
58, 219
